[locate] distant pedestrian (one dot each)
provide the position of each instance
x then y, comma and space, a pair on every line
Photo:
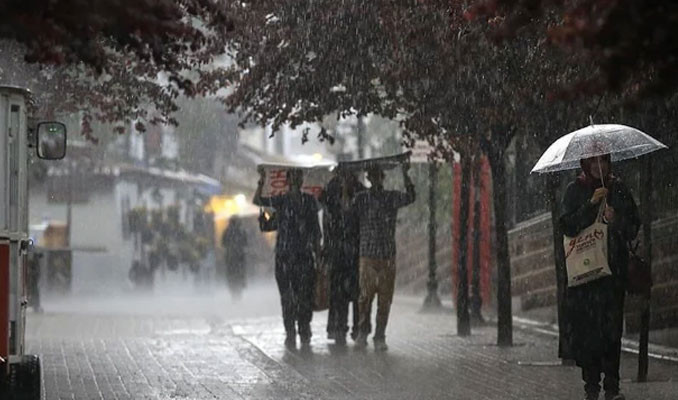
141, 276
234, 242
595, 310
377, 211
341, 248
297, 245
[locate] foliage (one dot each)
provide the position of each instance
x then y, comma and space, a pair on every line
633, 43
76, 31
137, 219
297, 61
169, 241
205, 132
419, 62
115, 61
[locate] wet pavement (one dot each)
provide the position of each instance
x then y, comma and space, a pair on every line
203, 346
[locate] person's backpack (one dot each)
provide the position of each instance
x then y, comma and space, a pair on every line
267, 223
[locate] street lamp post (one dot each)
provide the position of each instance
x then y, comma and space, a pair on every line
360, 132
646, 193
463, 316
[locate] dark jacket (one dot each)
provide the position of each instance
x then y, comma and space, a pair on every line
234, 242
595, 310
341, 226
298, 227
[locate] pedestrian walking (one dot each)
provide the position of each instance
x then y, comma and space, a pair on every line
341, 250
297, 245
234, 242
595, 309
377, 211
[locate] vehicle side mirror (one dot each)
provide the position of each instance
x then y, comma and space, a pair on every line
51, 140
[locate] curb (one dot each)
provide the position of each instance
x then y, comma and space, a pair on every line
655, 351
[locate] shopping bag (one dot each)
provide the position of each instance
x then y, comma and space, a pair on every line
321, 300
586, 254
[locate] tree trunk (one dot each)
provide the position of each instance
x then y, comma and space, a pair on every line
476, 298
463, 317
360, 133
552, 185
504, 312
432, 301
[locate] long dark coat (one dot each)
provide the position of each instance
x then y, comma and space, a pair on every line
234, 242
595, 310
342, 237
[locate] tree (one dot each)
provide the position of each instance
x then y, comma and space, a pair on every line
297, 62
300, 61
430, 63
116, 61
205, 132
160, 32
633, 43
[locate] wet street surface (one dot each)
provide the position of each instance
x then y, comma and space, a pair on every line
203, 346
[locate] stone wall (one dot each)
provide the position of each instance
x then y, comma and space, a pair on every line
534, 280
533, 276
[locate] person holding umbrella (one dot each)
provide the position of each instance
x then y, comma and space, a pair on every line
599, 204
596, 309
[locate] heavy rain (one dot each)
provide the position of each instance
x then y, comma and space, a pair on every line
315, 199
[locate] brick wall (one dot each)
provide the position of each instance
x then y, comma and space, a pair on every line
534, 281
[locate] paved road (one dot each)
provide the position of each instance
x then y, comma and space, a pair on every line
202, 346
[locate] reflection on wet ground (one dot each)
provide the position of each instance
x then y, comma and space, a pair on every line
201, 345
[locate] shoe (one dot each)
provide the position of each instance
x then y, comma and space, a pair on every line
380, 345
340, 340
305, 333
291, 342
614, 396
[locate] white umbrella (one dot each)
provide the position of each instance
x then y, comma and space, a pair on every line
620, 141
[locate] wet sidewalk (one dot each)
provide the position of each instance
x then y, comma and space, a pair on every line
88, 356
427, 360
